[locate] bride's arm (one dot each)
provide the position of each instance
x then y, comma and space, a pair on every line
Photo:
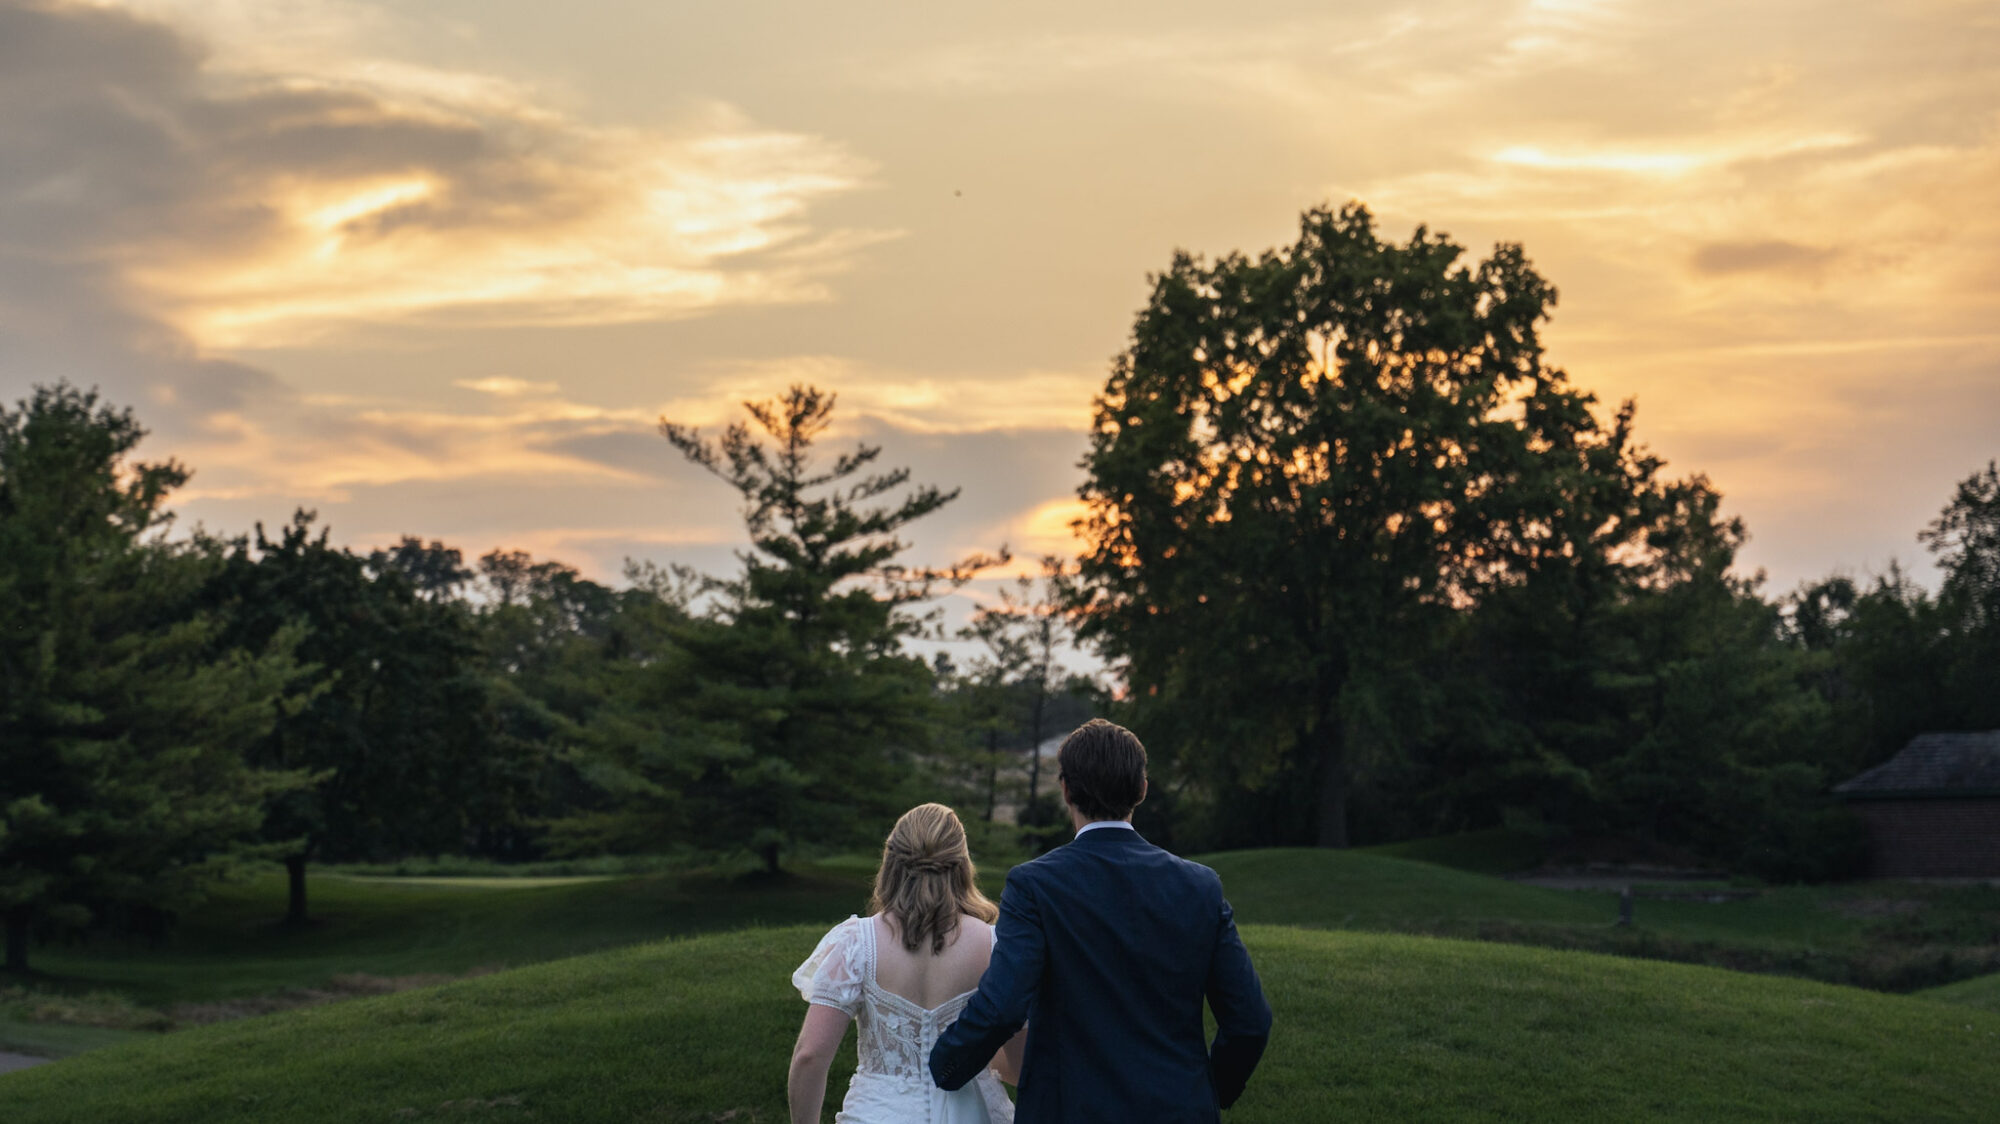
1007, 1063
819, 1038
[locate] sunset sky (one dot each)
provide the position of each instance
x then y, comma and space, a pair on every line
438, 267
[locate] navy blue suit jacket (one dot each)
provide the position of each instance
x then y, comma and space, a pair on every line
1106, 948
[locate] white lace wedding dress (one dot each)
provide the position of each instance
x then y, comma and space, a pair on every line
892, 1082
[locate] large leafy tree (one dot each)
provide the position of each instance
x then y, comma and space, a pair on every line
1965, 537
1718, 740
436, 571
789, 712
124, 714
559, 649
1302, 468
399, 737
1899, 660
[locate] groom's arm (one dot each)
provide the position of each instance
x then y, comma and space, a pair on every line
1005, 992
1242, 1018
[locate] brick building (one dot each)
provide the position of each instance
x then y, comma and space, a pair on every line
1933, 810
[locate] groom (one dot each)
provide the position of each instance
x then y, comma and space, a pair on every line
1106, 948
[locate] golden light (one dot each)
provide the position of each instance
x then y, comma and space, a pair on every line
368, 201
1649, 163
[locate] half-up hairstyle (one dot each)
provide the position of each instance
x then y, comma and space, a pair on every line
926, 878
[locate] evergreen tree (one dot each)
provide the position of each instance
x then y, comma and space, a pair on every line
124, 714
789, 713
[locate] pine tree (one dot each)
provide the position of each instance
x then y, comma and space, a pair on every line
123, 715
790, 713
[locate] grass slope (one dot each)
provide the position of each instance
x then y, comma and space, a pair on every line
231, 951
1369, 1026
1887, 936
233, 947
43, 1039
1494, 851
1891, 936
1359, 890
1982, 992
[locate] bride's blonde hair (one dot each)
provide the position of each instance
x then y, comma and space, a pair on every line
926, 878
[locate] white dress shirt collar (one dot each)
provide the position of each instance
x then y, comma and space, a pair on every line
1095, 824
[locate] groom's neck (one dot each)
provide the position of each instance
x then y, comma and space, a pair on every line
1078, 819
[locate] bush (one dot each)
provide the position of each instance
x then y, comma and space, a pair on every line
1814, 842
1043, 821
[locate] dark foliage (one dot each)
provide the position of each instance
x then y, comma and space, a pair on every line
400, 737
125, 710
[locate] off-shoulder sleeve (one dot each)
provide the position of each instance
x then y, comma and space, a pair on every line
831, 976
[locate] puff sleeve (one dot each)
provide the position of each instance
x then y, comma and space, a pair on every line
831, 976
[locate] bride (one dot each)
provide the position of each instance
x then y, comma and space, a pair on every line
903, 974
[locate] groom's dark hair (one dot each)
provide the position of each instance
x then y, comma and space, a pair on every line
1104, 767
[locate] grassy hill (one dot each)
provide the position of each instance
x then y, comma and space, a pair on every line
1890, 936
1493, 851
1369, 1026
1982, 992
233, 946
373, 934
231, 951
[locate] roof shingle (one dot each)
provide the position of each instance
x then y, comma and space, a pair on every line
1938, 764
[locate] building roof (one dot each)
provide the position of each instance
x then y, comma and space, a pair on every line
1934, 765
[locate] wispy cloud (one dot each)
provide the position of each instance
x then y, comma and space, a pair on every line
940, 401
444, 273
245, 205
506, 387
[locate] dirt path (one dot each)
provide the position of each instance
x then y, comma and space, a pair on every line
11, 1062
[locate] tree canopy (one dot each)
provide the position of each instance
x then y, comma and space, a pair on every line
125, 714
399, 735
788, 712
1302, 465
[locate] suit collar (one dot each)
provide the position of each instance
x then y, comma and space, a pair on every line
1109, 837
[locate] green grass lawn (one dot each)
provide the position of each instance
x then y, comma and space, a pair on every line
1494, 851
60, 1040
1894, 936
1982, 992
1369, 1026
1363, 890
234, 947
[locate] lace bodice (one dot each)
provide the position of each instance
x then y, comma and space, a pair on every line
896, 1035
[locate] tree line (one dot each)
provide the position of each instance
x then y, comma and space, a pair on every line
1358, 563
1371, 569
173, 707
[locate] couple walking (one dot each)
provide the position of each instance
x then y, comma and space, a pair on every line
1087, 993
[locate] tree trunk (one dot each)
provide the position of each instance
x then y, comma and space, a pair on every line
295, 906
770, 853
1035, 745
17, 939
1330, 752
992, 770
